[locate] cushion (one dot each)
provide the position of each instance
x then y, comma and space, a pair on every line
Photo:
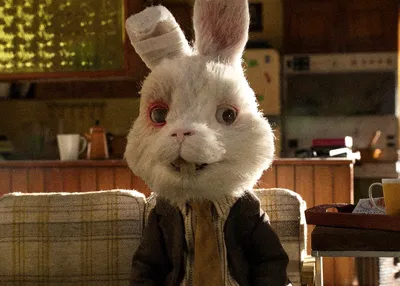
69, 238
286, 209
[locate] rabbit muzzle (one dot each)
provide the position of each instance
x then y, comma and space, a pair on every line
181, 165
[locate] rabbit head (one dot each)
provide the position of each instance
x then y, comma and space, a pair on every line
199, 134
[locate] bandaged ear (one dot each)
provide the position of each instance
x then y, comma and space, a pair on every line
156, 35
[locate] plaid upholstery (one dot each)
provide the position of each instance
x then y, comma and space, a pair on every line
69, 238
90, 238
286, 212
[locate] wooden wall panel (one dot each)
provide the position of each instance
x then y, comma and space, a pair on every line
19, 180
305, 184
323, 194
36, 180
342, 179
139, 185
123, 178
268, 179
305, 188
323, 184
345, 270
285, 177
71, 180
53, 180
88, 179
345, 267
105, 178
5, 181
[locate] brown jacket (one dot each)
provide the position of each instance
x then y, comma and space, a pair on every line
254, 253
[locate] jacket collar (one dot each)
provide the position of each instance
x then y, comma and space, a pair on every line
246, 205
164, 207
222, 206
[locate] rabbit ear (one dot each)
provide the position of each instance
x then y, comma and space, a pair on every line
221, 28
156, 35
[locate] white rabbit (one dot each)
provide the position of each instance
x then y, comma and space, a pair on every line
199, 137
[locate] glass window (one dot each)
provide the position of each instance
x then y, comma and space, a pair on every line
61, 36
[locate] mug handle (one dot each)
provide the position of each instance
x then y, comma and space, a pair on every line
371, 198
84, 144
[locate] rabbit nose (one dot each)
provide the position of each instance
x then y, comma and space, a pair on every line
181, 134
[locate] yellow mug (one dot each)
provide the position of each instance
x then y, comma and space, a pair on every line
391, 195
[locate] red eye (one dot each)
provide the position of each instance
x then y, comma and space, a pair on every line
158, 114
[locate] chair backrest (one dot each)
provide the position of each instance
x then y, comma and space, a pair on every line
90, 238
69, 238
285, 209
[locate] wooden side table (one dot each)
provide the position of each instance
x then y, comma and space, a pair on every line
351, 242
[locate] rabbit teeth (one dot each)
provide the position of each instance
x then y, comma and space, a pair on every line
180, 165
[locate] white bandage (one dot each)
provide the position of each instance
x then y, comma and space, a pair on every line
155, 34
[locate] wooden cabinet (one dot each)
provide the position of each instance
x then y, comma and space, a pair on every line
317, 181
57, 176
130, 66
310, 26
183, 15
66, 40
134, 66
337, 26
124, 80
370, 25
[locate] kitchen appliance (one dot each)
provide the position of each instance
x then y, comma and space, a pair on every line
338, 95
340, 84
97, 143
263, 72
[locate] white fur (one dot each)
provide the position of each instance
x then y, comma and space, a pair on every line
237, 154
194, 86
156, 35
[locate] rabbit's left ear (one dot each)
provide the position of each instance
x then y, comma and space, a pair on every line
221, 28
155, 35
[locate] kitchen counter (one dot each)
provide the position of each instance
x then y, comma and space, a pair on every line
309, 177
62, 164
377, 170
122, 163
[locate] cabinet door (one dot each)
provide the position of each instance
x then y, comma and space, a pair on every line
370, 25
136, 69
54, 39
183, 15
310, 26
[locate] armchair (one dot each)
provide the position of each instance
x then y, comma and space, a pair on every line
89, 238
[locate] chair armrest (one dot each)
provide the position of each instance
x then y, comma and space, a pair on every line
308, 271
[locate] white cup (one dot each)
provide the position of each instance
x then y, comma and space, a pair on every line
68, 146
